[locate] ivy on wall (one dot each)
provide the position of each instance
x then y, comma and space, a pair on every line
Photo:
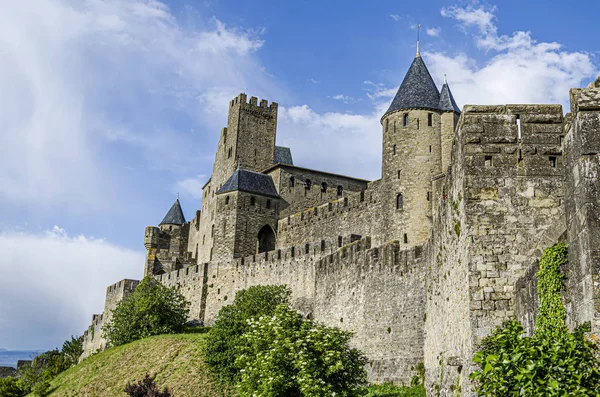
552, 314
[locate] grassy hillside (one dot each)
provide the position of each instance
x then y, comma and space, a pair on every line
175, 359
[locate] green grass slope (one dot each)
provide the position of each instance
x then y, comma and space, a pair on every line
177, 361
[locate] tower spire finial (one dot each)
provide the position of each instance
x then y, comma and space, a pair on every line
445, 80
419, 40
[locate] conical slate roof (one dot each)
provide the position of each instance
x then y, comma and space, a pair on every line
418, 90
283, 155
447, 102
251, 182
174, 216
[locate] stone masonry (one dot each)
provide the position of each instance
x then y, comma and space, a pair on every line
420, 264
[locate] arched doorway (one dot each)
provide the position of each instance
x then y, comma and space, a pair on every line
266, 239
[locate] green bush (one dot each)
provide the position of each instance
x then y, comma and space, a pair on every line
152, 309
554, 362
390, 390
11, 387
72, 350
285, 355
224, 338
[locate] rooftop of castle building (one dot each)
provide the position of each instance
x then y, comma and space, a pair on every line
250, 182
174, 216
447, 102
283, 155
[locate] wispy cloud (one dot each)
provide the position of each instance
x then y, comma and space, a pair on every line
314, 81
343, 98
396, 17
191, 187
36, 311
433, 32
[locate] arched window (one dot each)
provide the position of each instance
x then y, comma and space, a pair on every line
227, 200
340, 190
292, 181
268, 204
308, 184
405, 120
323, 187
399, 201
252, 200
394, 149
266, 239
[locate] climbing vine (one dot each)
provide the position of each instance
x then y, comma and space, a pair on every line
552, 313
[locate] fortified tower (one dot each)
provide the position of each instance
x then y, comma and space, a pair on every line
417, 137
248, 142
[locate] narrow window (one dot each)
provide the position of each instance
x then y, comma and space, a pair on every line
229, 153
405, 120
488, 161
306, 249
345, 201
394, 149
254, 152
405, 238
398, 174
428, 196
429, 148
553, 161
340, 190
203, 238
227, 200
429, 119
339, 241
212, 231
323, 187
210, 256
394, 125
170, 228
387, 123
252, 200
399, 201
362, 196
268, 204
418, 123
520, 155
292, 181
322, 245
288, 220
308, 184
224, 137
519, 125
293, 251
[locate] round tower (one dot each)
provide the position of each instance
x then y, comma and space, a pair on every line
412, 155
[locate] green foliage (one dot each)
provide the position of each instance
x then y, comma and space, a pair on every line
41, 388
11, 387
390, 390
225, 337
554, 362
152, 309
457, 228
72, 350
285, 355
517, 365
552, 313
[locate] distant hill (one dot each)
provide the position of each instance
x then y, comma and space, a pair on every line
176, 359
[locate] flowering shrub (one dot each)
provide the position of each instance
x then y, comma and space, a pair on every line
285, 355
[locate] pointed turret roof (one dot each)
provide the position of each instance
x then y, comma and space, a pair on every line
447, 102
418, 90
174, 216
251, 182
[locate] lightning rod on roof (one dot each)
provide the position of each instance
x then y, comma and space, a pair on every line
419, 40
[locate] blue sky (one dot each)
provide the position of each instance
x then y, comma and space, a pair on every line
112, 107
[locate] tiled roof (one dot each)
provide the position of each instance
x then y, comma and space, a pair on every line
283, 155
251, 182
447, 102
418, 90
174, 216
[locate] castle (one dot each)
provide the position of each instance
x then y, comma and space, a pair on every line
420, 264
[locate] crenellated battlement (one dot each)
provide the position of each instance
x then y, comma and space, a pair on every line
124, 286
262, 105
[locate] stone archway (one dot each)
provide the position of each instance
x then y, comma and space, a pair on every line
266, 239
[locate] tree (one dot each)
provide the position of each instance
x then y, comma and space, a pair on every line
72, 350
224, 339
146, 388
152, 309
285, 355
11, 387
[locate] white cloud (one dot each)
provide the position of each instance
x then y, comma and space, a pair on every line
343, 98
52, 283
433, 32
314, 81
71, 70
518, 69
192, 187
396, 17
